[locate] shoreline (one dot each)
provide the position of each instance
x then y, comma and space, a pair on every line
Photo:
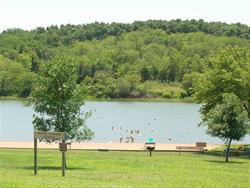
174, 100
98, 146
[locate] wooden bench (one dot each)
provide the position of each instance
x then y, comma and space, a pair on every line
201, 144
199, 147
189, 148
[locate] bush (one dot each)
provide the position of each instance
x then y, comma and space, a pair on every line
158, 89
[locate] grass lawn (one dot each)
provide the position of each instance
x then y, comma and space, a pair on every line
122, 169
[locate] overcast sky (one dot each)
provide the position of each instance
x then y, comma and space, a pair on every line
29, 14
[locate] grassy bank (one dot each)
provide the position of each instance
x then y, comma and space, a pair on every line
9, 98
184, 100
122, 169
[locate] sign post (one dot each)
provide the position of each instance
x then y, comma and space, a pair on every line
63, 149
150, 145
50, 136
35, 156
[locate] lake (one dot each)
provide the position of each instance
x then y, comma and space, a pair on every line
164, 121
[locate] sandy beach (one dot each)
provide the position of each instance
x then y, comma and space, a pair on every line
99, 146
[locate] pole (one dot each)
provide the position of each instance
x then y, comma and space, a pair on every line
63, 160
35, 156
150, 149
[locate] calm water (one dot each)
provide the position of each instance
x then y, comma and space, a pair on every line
159, 120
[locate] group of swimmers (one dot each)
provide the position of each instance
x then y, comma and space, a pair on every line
127, 131
130, 138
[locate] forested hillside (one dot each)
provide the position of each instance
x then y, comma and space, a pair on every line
142, 59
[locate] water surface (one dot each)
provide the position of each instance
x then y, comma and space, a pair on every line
163, 121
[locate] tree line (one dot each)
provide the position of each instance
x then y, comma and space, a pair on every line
154, 58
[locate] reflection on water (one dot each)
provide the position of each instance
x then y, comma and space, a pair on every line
119, 121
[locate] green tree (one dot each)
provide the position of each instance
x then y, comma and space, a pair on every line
227, 120
15, 79
145, 74
229, 72
57, 100
127, 85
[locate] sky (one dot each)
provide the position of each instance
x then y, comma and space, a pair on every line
29, 14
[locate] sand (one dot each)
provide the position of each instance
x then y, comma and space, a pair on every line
99, 146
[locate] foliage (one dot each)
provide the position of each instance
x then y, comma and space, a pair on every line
228, 72
228, 120
15, 79
57, 100
113, 60
157, 89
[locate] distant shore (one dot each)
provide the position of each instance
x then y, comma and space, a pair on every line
184, 100
100, 146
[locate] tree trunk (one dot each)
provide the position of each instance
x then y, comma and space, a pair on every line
228, 147
247, 109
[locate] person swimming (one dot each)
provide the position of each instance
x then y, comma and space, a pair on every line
127, 141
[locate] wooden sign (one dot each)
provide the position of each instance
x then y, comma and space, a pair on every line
63, 147
49, 135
